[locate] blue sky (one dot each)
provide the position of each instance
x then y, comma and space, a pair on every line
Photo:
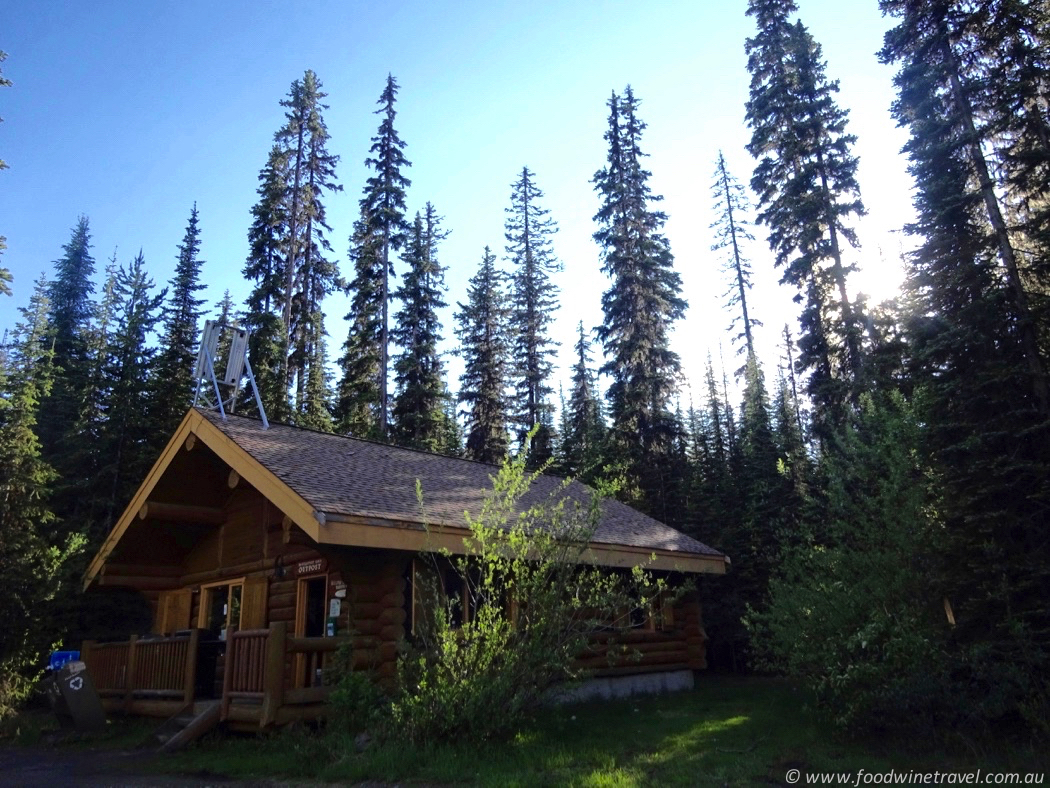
129, 112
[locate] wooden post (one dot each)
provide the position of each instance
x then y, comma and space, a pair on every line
129, 677
190, 680
227, 674
273, 675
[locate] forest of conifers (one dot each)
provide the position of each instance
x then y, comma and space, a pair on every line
884, 496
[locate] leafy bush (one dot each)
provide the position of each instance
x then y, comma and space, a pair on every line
532, 601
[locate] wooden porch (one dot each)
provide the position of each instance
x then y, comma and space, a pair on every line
268, 677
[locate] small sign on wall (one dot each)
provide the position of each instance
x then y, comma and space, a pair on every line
310, 567
335, 606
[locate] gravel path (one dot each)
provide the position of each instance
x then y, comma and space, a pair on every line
39, 766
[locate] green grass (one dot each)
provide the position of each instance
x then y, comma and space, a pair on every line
726, 732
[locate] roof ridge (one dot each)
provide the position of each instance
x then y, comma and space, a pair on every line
374, 442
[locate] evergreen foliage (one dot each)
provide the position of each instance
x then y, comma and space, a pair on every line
265, 266
583, 431
481, 326
172, 379
32, 559
363, 406
127, 448
534, 299
419, 414
980, 394
640, 306
808, 193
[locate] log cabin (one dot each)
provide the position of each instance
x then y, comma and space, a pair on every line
260, 550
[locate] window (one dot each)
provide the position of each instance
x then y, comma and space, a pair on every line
434, 582
220, 609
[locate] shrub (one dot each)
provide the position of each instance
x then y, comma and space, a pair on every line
531, 603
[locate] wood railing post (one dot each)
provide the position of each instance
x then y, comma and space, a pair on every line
190, 679
227, 674
129, 676
273, 675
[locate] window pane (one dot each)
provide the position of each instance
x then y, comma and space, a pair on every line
234, 619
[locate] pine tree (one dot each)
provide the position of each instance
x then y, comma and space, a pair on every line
419, 402
534, 299
363, 391
583, 431
640, 306
30, 559
172, 378
481, 326
316, 414
808, 193
731, 233
267, 256
126, 444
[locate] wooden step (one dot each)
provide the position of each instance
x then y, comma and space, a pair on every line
183, 728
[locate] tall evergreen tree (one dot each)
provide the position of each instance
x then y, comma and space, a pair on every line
172, 379
265, 266
972, 352
127, 447
308, 276
418, 410
481, 326
583, 431
731, 233
640, 306
808, 195
363, 398
534, 299
30, 557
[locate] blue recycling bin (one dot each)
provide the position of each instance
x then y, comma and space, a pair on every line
60, 658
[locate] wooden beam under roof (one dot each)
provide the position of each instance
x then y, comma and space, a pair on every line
181, 513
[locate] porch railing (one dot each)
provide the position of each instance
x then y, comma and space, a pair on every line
267, 675
158, 668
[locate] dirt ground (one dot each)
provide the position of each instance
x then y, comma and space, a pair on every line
45, 766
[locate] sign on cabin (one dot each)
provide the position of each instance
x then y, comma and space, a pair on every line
310, 567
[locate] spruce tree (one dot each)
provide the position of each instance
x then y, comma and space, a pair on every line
731, 233
265, 266
172, 379
640, 307
534, 299
127, 447
983, 405
363, 391
481, 326
308, 276
31, 558
418, 412
808, 196
583, 431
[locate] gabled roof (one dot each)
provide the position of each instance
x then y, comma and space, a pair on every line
343, 490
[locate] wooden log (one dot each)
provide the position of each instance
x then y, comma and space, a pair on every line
307, 695
315, 645
392, 632
139, 583
282, 614
387, 652
181, 513
154, 708
233, 479
273, 676
143, 570
282, 598
191, 441
392, 615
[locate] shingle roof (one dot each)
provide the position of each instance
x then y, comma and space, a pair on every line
340, 475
